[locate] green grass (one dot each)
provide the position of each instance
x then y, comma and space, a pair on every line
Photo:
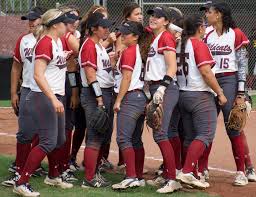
5, 103
45, 190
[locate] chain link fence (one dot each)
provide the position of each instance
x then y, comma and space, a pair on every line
11, 27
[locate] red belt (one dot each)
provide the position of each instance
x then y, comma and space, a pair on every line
225, 74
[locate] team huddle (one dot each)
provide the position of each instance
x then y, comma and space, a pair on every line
176, 74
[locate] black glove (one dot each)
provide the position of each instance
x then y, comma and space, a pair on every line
99, 120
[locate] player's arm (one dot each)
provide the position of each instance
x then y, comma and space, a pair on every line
242, 61
171, 63
15, 77
73, 77
73, 44
111, 39
212, 82
40, 67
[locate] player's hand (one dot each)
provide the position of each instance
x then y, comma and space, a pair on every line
58, 106
111, 37
67, 54
158, 97
74, 102
117, 106
15, 102
222, 99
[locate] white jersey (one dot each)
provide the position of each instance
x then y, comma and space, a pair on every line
96, 56
77, 34
23, 54
223, 48
55, 72
155, 67
130, 59
196, 54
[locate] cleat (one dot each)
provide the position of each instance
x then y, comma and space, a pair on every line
158, 181
127, 183
250, 174
240, 179
25, 190
94, 183
188, 178
10, 182
57, 182
169, 187
68, 176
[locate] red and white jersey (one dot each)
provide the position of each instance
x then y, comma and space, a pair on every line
223, 48
23, 54
155, 67
130, 59
96, 56
55, 73
196, 54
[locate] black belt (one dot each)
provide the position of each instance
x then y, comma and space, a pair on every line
225, 74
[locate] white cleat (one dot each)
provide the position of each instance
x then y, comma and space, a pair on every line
188, 178
202, 179
240, 179
57, 182
142, 182
127, 183
25, 190
178, 171
169, 187
206, 174
250, 174
156, 182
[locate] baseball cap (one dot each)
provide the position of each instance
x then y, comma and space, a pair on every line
209, 3
159, 12
33, 14
63, 18
131, 27
73, 16
98, 19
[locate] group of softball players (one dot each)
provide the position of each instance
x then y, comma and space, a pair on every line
194, 67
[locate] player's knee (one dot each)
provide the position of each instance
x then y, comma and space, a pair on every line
49, 145
233, 133
123, 143
23, 139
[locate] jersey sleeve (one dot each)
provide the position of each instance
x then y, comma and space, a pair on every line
241, 39
44, 49
166, 43
128, 58
16, 54
202, 54
89, 55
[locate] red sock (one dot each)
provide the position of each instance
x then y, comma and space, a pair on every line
35, 157
35, 141
54, 159
195, 151
121, 159
77, 141
176, 145
90, 162
22, 152
203, 160
238, 151
247, 157
129, 160
106, 149
168, 159
139, 161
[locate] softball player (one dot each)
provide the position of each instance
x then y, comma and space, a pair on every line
196, 79
160, 74
44, 102
203, 162
131, 12
227, 44
97, 81
22, 65
130, 105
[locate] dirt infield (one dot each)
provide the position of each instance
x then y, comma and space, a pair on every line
221, 159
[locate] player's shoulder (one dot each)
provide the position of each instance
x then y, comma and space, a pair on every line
167, 35
197, 42
21, 37
89, 44
131, 49
45, 40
